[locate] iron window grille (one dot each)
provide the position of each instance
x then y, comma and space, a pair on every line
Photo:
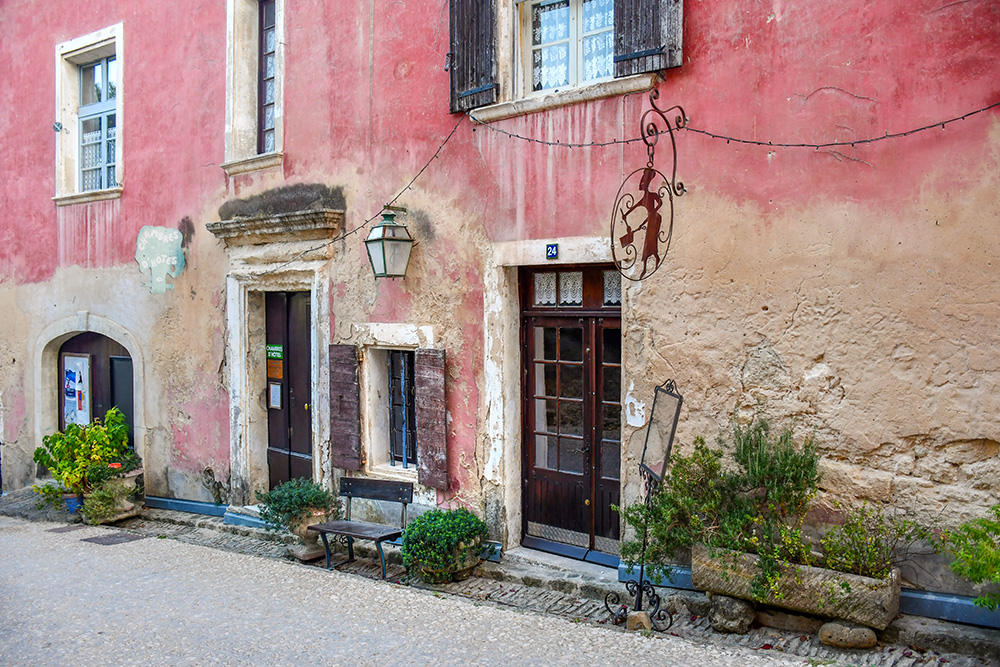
98, 124
402, 409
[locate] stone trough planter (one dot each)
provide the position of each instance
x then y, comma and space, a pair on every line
812, 590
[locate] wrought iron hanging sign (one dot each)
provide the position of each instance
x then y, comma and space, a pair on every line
641, 227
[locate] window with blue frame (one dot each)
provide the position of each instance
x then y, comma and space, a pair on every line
402, 409
98, 124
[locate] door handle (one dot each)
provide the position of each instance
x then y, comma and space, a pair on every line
587, 502
307, 406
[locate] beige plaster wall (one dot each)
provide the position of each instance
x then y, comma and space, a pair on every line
873, 328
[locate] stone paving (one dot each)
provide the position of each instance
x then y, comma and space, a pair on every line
537, 589
576, 608
66, 599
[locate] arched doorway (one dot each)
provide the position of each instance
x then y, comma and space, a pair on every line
95, 375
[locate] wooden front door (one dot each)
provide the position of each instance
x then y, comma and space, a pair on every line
289, 386
571, 350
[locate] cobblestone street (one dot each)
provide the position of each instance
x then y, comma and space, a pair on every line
65, 599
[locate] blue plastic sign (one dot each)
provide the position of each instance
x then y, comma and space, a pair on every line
552, 251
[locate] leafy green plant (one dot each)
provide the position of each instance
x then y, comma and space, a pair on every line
284, 506
438, 541
755, 506
118, 466
975, 547
71, 455
51, 494
870, 542
103, 502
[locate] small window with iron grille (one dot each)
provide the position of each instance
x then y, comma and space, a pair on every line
402, 409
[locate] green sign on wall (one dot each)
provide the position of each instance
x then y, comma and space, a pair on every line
275, 352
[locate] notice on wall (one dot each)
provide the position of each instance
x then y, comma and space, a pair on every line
274, 395
76, 389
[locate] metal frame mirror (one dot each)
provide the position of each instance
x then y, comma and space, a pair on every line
663, 419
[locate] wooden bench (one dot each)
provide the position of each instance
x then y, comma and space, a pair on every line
370, 489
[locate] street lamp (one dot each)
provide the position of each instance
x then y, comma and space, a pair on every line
389, 244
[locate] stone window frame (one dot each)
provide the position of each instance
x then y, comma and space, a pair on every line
377, 341
69, 56
242, 87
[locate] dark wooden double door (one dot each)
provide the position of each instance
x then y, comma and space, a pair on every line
289, 386
572, 426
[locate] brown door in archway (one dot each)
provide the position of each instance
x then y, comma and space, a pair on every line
571, 352
289, 386
95, 375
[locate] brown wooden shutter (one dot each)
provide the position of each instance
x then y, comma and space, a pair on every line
648, 35
432, 423
345, 408
472, 55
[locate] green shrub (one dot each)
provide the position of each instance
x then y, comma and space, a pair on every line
756, 507
103, 502
433, 542
74, 455
284, 505
869, 542
975, 547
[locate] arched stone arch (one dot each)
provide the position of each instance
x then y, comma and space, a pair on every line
46, 369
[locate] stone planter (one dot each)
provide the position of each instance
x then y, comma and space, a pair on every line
812, 590
125, 487
467, 558
310, 518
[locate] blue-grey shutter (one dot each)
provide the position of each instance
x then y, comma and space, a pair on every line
432, 421
472, 55
648, 35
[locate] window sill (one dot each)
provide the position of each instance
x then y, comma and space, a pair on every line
394, 473
255, 163
632, 84
86, 197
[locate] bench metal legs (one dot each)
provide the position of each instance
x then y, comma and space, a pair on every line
350, 552
378, 545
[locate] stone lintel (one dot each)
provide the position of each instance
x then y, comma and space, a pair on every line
280, 227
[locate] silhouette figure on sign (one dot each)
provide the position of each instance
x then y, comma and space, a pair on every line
651, 201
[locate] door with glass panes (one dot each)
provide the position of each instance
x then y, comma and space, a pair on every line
571, 351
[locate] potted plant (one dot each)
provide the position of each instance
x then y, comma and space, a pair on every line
444, 545
111, 488
742, 524
74, 455
296, 504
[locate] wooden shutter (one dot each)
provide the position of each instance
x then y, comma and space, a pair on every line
432, 446
472, 54
648, 35
345, 408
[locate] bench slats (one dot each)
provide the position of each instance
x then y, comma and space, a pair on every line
377, 489
358, 529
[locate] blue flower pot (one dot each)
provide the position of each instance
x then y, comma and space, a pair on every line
73, 503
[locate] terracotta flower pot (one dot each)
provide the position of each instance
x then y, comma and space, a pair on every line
466, 558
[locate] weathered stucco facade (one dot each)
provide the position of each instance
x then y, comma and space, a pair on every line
850, 288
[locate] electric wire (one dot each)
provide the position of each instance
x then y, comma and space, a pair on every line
367, 222
830, 144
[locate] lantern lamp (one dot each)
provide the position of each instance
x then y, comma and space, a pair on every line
389, 244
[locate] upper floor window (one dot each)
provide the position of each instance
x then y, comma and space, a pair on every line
558, 45
566, 42
265, 88
98, 124
88, 117
254, 73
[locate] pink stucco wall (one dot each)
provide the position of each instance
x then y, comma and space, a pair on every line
366, 105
